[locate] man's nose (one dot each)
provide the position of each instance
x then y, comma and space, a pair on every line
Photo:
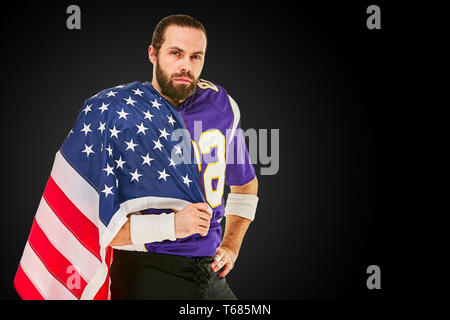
185, 65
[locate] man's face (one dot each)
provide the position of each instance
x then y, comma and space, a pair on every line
179, 62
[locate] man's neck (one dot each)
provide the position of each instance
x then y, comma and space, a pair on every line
155, 85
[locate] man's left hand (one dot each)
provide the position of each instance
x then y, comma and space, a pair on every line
225, 257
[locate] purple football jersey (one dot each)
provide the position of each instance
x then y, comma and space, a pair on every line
213, 120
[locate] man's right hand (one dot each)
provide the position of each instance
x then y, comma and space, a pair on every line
194, 218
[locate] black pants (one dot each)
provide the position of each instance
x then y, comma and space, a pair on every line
142, 275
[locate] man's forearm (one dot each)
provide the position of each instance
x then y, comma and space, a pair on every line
236, 226
235, 229
123, 237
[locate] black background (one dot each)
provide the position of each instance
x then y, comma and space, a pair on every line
314, 72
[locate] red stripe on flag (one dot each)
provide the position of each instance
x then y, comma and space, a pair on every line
103, 293
109, 256
61, 268
24, 287
82, 228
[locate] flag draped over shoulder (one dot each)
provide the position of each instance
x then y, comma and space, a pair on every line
119, 158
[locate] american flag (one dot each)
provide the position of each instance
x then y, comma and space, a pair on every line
126, 152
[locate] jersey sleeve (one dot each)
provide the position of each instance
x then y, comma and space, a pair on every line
239, 168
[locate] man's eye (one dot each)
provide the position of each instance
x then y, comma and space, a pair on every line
174, 52
196, 57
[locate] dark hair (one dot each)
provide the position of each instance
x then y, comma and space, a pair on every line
180, 20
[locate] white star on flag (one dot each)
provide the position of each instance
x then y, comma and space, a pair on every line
130, 101
164, 134
109, 149
171, 121
130, 145
138, 92
163, 175
88, 150
141, 128
111, 93
107, 191
177, 149
120, 163
158, 145
147, 159
101, 127
172, 163
122, 114
135, 175
104, 107
109, 170
148, 115
114, 132
87, 109
86, 129
186, 180
156, 104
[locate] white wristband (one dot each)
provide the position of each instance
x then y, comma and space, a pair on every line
152, 228
242, 205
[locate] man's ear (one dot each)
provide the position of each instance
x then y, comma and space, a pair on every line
152, 54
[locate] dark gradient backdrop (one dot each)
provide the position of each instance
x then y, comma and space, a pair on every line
314, 72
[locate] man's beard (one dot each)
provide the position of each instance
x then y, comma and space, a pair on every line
178, 92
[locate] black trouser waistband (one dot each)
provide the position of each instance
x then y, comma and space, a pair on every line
191, 269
